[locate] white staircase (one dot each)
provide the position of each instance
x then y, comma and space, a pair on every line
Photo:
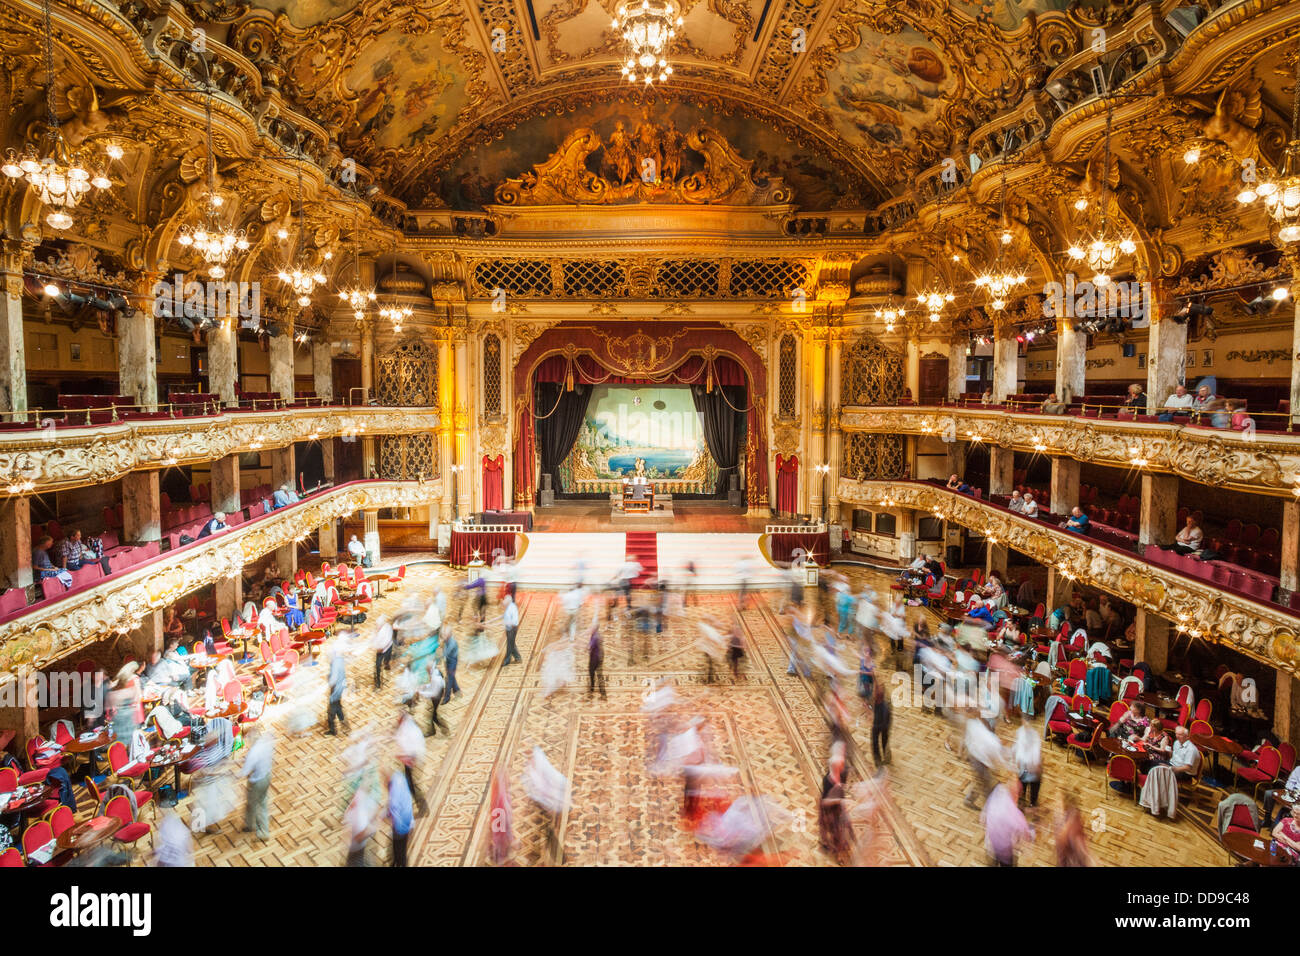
716, 558
551, 559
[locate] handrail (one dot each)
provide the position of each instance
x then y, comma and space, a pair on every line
470, 525
817, 528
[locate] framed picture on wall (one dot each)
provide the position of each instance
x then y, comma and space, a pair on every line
1142, 360
250, 459
1191, 358
75, 348
1207, 357
1050, 365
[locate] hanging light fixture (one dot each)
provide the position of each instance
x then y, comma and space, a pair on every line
209, 237
302, 276
648, 26
60, 181
1281, 192
934, 299
357, 296
1101, 250
891, 313
1001, 280
395, 312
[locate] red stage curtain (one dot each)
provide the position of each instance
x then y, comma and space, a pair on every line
486, 543
815, 544
787, 485
494, 474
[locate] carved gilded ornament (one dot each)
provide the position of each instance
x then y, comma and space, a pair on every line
787, 438
1260, 630
121, 603
56, 457
494, 438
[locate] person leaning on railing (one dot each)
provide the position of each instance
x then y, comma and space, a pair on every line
1136, 400
1052, 405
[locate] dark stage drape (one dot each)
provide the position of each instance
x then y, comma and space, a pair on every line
723, 426
557, 432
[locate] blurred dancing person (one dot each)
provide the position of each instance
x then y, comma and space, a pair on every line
1004, 825
596, 663
510, 622
882, 716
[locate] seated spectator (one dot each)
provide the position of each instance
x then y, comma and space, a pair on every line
173, 626
1136, 399
1030, 507
44, 567
1217, 409
987, 397
1092, 618
289, 494
1016, 504
1203, 398
1188, 541
1053, 405
214, 524
358, 550
1156, 740
958, 485
280, 499
1287, 832
933, 566
1078, 521
1176, 404
1185, 759
1131, 724
72, 554
993, 591
1239, 420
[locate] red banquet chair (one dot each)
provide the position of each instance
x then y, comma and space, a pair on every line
1265, 770
1120, 768
132, 830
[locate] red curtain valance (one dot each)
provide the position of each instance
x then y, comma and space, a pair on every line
587, 370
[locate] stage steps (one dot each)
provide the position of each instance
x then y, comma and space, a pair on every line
716, 558
551, 559
643, 549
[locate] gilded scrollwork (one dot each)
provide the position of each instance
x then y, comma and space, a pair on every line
1262, 631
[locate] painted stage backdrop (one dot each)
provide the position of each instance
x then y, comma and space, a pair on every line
656, 427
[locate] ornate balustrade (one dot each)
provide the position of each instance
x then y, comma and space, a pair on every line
39, 461
1260, 462
120, 604
1264, 631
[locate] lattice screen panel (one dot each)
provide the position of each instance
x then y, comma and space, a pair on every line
688, 278
767, 278
871, 374
869, 457
491, 375
407, 457
527, 278
583, 278
786, 377
408, 374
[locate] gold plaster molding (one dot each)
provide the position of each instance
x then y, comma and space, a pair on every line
52, 458
1263, 464
121, 603
1197, 608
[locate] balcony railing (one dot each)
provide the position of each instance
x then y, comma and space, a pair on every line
49, 630
1256, 461
1263, 630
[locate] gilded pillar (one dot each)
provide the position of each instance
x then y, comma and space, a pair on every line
812, 477
1152, 641
1064, 493
367, 388
446, 424
322, 370
280, 354
957, 345
465, 489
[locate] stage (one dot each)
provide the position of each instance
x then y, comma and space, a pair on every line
692, 516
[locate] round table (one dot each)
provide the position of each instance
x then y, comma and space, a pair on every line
80, 746
88, 833
30, 797
1159, 702
1253, 848
1216, 745
159, 762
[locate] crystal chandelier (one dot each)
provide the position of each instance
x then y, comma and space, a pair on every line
395, 312
356, 296
1102, 251
1001, 280
648, 26
933, 302
211, 239
60, 181
302, 276
1281, 193
891, 313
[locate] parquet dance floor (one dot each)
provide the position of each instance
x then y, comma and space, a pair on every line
768, 724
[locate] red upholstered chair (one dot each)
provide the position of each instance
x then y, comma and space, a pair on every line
60, 819
1117, 710
37, 762
62, 733
1085, 744
1121, 768
123, 769
36, 836
1265, 770
1241, 820
1076, 674
1204, 707
1201, 728
11, 779
395, 580
11, 857
1081, 704
1287, 753
1058, 725
131, 830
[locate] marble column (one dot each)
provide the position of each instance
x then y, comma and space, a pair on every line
1284, 695
282, 362
13, 360
956, 451
809, 477
283, 468
1289, 573
141, 507
1002, 470
22, 717
286, 559
1158, 516
1071, 360
912, 372
328, 541
835, 451
995, 559
1166, 354
1059, 589
370, 524
327, 459
223, 359
137, 357
225, 485
322, 369
1064, 489
1152, 641
148, 637
446, 426
229, 595
1006, 355
956, 367
16, 541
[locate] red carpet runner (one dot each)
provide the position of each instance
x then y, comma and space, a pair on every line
642, 547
